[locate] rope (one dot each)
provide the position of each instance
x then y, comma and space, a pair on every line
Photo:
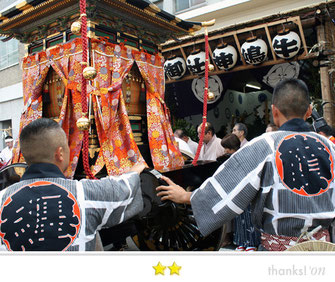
204, 116
84, 87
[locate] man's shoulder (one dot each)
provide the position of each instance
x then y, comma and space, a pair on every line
38, 182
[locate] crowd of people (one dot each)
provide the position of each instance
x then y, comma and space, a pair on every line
268, 190
275, 187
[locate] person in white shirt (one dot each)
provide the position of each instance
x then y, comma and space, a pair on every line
182, 135
6, 154
192, 144
183, 146
241, 131
211, 148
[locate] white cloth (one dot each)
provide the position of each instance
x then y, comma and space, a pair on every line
69, 209
193, 145
212, 150
6, 155
183, 147
245, 141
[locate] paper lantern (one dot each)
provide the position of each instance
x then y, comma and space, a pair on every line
196, 62
286, 44
225, 56
254, 51
175, 67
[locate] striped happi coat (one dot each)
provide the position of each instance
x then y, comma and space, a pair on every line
287, 175
47, 212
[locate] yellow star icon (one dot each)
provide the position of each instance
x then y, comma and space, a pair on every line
174, 268
159, 268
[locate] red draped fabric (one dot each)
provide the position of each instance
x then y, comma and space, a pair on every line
164, 150
118, 150
35, 70
65, 60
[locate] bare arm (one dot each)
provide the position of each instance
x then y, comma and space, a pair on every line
173, 192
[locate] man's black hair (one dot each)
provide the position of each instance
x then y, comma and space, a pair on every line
325, 129
209, 127
183, 134
291, 97
36, 127
231, 141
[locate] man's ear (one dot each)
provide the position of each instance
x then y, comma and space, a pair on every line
274, 111
59, 154
308, 112
275, 115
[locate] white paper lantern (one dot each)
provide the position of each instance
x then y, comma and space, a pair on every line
225, 56
196, 62
286, 44
254, 51
175, 67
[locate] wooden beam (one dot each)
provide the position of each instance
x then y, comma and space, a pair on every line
238, 45
270, 43
302, 36
185, 58
328, 109
232, 33
211, 57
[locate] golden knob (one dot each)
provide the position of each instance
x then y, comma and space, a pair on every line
83, 123
210, 67
76, 27
208, 23
211, 96
89, 73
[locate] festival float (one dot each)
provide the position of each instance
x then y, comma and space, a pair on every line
96, 68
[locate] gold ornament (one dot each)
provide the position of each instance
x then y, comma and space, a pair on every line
83, 123
76, 27
210, 67
211, 96
89, 73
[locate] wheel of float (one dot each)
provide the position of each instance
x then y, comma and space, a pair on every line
166, 226
173, 228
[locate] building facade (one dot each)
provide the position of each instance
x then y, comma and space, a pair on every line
11, 94
235, 22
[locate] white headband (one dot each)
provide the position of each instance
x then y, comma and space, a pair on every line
9, 139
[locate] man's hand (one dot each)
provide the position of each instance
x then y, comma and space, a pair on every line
138, 168
173, 192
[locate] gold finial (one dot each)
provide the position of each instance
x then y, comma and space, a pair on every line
76, 27
83, 123
211, 96
208, 23
89, 73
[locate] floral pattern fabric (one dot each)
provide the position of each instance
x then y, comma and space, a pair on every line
118, 150
164, 149
65, 60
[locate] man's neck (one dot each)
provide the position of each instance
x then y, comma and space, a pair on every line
210, 140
